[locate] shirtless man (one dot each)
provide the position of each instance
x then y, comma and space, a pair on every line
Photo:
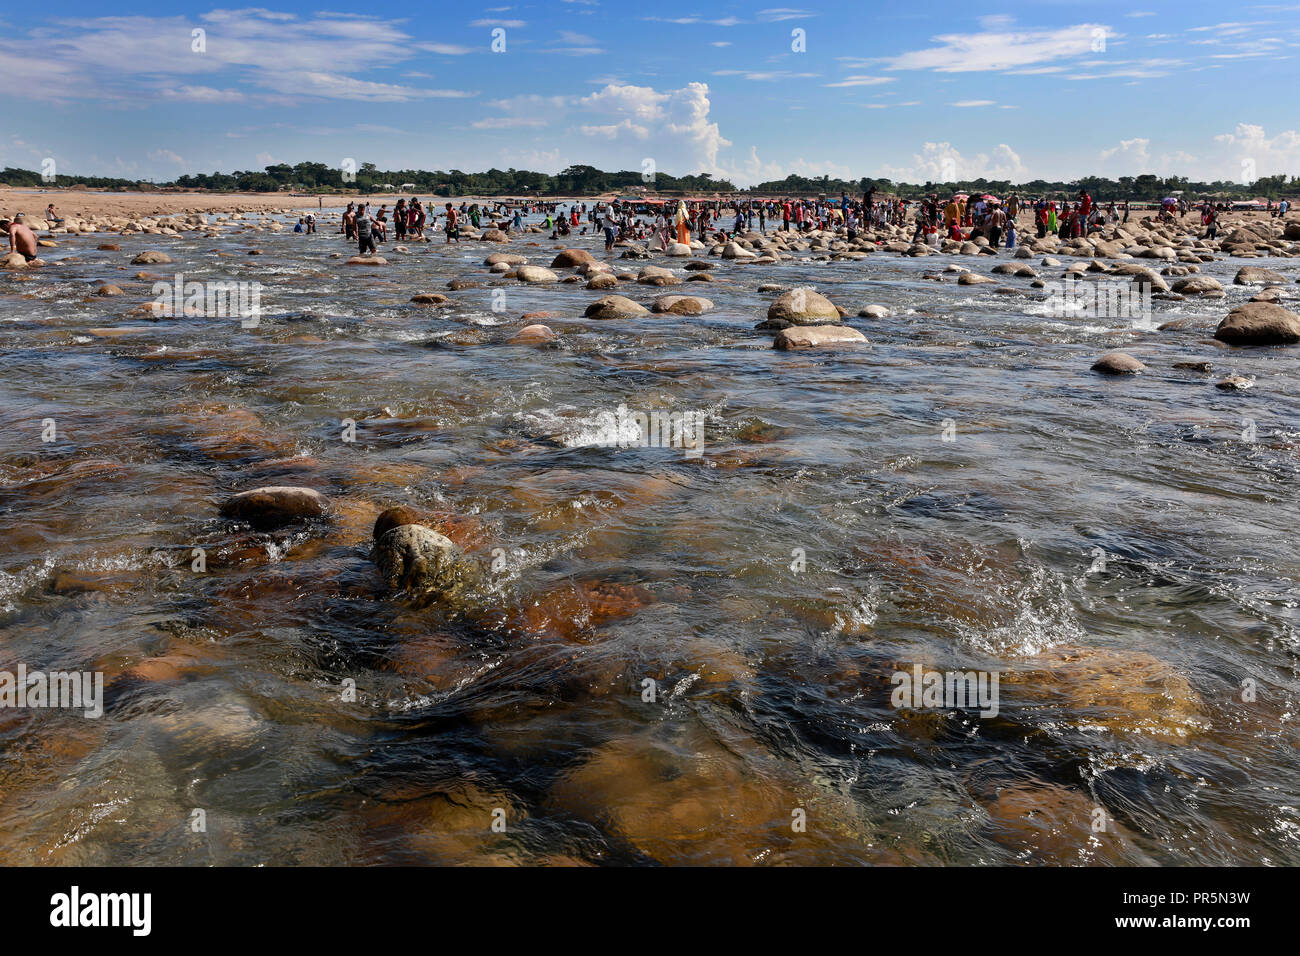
997, 221
21, 239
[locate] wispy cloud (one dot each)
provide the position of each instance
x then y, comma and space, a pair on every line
978, 52
861, 79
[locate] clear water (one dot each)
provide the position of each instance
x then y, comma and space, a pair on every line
1117, 549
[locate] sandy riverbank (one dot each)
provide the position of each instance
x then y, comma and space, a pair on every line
86, 204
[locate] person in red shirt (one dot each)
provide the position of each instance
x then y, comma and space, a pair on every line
1085, 202
453, 224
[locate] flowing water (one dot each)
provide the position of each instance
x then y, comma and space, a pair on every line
679, 659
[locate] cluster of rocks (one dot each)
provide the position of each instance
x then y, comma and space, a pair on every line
409, 551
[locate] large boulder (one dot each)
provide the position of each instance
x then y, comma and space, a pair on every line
734, 250
681, 305
534, 274
494, 235
1141, 275
1259, 323
533, 335
657, 275
615, 307
1197, 285
799, 337
415, 558
1254, 275
568, 258
973, 278
504, 258
151, 257
275, 505
1117, 363
802, 307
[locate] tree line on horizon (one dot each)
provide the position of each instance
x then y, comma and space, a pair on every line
319, 178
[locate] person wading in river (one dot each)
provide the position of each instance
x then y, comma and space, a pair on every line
365, 231
21, 239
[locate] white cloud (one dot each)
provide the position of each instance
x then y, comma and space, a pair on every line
338, 86
508, 122
1269, 156
777, 14
137, 58
766, 76
672, 127
973, 52
204, 94
444, 49
861, 79
167, 156
941, 162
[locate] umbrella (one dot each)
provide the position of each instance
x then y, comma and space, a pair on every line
987, 198
1168, 200
961, 195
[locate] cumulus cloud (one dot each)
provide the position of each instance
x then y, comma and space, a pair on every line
1246, 153
942, 162
676, 122
1249, 145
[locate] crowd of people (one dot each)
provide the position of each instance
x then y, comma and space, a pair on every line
659, 223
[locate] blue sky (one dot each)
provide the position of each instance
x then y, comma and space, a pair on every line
909, 91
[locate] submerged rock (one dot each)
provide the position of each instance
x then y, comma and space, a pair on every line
272, 506
1254, 275
533, 335
799, 337
1235, 383
412, 557
1117, 363
681, 305
615, 307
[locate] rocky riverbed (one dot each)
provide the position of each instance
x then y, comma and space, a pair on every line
384, 577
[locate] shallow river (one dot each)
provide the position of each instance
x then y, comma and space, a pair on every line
682, 659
